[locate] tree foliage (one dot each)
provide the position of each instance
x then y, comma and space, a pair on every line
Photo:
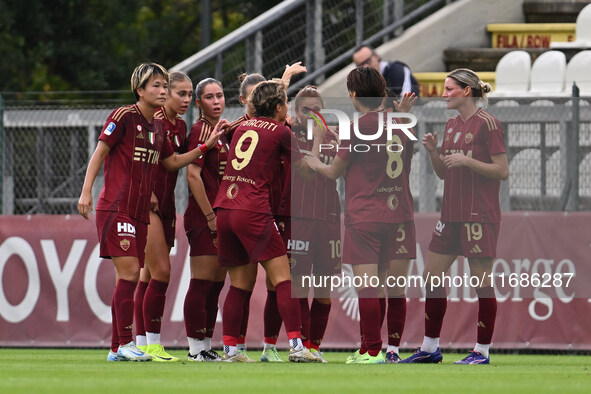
95, 44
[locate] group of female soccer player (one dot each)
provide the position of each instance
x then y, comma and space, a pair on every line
259, 186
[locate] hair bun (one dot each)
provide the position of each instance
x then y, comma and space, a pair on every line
242, 76
485, 87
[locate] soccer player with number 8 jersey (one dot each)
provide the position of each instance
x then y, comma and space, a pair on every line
471, 161
379, 215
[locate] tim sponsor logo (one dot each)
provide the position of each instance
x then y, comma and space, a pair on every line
146, 155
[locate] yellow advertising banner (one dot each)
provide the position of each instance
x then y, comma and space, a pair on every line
530, 35
431, 84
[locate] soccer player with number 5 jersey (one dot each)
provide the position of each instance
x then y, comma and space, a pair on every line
379, 216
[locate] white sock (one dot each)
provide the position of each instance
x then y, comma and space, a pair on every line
296, 343
153, 338
241, 346
268, 346
430, 344
140, 340
392, 348
207, 342
230, 350
195, 346
482, 349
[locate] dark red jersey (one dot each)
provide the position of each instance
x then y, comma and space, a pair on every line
316, 198
467, 195
213, 164
137, 146
255, 155
377, 177
166, 180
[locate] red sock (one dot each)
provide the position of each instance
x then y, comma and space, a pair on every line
138, 308
271, 318
123, 302
383, 305
318, 320
305, 319
487, 313
289, 309
211, 306
435, 307
194, 308
232, 314
244, 324
396, 319
369, 313
154, 301
114, 333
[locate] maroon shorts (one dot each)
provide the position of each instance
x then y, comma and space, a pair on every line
379, 243
247, 237
169, 227
468, 239
284, 226
314, 243
121, 235
202, 242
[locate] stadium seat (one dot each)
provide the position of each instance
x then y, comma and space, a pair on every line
512, 74
525, 173
506, 103
542, 103
578, 71
548, 73
582, 31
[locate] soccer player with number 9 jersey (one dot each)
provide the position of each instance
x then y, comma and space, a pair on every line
247, 233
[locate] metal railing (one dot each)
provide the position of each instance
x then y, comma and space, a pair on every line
321, 33
45, 151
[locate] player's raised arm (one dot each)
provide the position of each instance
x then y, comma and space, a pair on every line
174, 162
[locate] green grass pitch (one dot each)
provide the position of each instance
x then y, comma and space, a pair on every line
85, 371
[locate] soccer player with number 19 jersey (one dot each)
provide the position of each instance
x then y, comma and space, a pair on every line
471, 161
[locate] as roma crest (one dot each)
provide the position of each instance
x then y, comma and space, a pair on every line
124, 243
468, 138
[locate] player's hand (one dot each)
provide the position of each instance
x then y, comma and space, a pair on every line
406, 102
318, 131
213, 224
85, 204
218, 130
455, 160
294, 69
430, 141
